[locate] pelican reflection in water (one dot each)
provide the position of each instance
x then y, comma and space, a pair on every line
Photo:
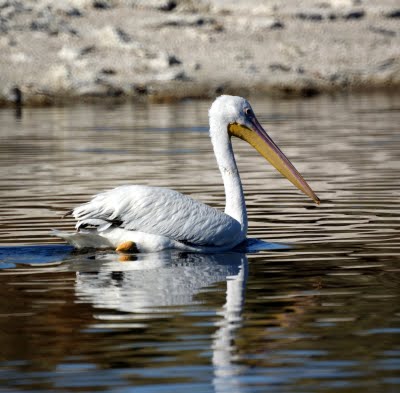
143, 218
142, 289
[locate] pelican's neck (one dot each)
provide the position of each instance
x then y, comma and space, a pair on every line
235, 205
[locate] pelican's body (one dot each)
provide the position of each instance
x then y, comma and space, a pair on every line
155, 218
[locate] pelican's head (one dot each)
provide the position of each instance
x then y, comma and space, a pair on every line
238, 119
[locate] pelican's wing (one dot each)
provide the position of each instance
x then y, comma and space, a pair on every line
158, 211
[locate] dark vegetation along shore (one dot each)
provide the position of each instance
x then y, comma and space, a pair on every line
63, 51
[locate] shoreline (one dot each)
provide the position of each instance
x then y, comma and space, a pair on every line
87, 50
42, 100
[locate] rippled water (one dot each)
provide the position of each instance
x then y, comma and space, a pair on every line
320, 313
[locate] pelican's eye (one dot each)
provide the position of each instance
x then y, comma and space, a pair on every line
248, 112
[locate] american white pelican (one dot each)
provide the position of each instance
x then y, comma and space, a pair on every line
143, 218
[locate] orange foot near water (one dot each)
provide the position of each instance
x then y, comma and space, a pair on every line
127, 246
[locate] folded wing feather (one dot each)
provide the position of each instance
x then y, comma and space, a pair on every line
158, 211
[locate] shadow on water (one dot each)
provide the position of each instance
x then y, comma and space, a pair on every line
55, 254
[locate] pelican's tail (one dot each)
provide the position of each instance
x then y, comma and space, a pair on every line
87, 239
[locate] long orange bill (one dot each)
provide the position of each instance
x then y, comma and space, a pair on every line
260, 140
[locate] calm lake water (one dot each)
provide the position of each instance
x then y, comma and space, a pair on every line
317, 312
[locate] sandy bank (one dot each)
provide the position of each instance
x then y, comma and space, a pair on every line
56, 51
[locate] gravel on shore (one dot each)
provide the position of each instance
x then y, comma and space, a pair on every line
64, 51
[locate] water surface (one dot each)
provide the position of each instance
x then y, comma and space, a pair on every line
321, 313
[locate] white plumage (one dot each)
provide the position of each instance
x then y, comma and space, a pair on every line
155, 218
158, 211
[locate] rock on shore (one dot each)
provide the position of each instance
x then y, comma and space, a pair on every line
57, 51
